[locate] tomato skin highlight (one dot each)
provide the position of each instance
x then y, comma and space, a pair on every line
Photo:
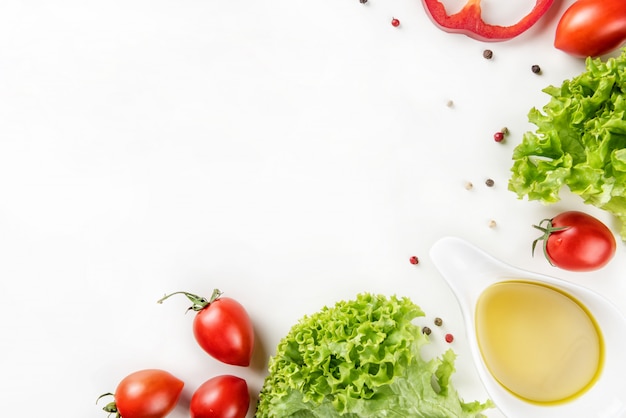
590, 28
223, 396
583, 244
149, 393
224, 330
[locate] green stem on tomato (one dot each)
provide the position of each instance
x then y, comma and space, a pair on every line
111, 407
198, 302
547, 231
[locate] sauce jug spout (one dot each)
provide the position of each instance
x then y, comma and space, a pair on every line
466, 269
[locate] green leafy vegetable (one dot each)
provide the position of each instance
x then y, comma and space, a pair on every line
580, 141
361, 358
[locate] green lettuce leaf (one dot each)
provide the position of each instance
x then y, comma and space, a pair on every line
361, 358
580, 141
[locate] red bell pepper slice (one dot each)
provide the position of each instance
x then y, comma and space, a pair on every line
469, 21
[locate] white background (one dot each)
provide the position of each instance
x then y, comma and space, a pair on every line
290, 153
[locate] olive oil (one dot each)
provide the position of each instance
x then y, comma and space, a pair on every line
538, 342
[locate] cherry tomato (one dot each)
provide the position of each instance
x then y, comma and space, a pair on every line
590, 28
222, 328
150, 393
576, 241
221, 397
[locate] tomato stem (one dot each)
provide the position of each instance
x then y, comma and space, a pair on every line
111, 407
198, 302
547, 230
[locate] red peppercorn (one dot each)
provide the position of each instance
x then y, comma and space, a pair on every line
395, 22
498, 136
449, 338
414, 260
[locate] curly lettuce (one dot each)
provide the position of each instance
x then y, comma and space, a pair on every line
361, 358
580, 141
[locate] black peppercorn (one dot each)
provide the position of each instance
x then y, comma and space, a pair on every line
535, 69
488, 54
489, 182
426, 330
438, 321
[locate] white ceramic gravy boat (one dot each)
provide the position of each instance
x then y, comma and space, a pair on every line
468, 271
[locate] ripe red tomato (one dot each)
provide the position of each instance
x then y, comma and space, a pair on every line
576, 241
150, 393
222, 328
221, 397
590, 28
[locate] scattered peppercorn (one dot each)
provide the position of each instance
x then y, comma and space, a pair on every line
395, 22
449, 103
363, 1
414, 260
488, 54
438, 321
501, 134
490, 182
536, 69
426, 330
492, 224
449, 338
469, 185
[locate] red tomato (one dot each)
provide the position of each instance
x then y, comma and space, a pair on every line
576, 241
590, 28
222, 327
221, 397
149, 393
